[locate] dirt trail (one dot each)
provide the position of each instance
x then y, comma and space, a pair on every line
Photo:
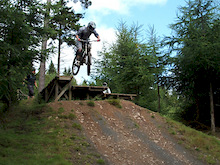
130, 135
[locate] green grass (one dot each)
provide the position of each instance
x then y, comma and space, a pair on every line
25, 138
91, 103
115, 102
30, 134
207, 147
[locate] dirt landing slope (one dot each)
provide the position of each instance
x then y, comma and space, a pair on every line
130, 135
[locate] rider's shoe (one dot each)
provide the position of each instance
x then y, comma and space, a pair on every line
77, 63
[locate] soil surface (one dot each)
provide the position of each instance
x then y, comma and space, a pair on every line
130, 135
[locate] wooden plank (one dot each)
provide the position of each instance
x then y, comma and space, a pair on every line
51, 91
63, 91
120, 95
65, 78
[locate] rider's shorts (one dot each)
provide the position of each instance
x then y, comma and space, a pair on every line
79, 45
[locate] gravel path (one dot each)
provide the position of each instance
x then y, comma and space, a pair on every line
130, 135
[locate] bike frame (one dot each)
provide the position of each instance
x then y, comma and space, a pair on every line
86, 46
85, 54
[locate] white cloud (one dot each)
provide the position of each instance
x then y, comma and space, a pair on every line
120, 6
95, 13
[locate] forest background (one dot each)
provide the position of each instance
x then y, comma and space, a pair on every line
184, 86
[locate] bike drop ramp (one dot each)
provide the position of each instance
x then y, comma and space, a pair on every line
61, 88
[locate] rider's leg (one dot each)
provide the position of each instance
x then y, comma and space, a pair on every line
78, 54
79, 50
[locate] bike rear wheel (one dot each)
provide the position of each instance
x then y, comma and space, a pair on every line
75, 67
89, 63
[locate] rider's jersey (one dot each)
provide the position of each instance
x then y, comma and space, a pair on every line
84, 33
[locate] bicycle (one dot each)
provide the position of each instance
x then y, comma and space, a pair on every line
85, 58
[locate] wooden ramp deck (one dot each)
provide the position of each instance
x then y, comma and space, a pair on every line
60, 88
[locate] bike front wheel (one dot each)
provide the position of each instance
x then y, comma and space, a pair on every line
75, 66
89, 63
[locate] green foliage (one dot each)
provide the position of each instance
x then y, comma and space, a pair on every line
72, 116
196, 65
77, 126
67, 72
63, 20
91, 103
207, 146
29, 139
20, 33
115, 102
132, 66
100, 161
52, 69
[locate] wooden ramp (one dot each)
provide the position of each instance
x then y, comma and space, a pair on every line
60, 88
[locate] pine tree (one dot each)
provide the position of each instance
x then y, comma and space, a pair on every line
196, 71
20, 32
52, 68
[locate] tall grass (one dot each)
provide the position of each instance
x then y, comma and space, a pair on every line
206, 146
25, 138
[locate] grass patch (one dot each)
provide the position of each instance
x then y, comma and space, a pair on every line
115, 102
206, 146
91, 103
61, 110
30, 134
77, 126
27, 137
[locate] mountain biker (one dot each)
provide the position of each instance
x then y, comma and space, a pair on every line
31, 82
108, 90
83, 34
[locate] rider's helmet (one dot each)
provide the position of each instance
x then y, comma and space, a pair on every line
105, 84
91, 25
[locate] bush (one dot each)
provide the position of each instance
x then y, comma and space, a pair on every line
115, 102
91, 103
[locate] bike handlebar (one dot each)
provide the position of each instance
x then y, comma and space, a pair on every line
89, 41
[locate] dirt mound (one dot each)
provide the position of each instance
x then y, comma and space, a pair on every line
130, 135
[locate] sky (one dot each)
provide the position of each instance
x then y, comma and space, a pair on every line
107, 14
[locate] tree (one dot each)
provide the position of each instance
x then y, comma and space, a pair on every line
44, 48
196, 70
64, 21
67, 72
128, 65
58, 21
159, 60
19, 38
52, 68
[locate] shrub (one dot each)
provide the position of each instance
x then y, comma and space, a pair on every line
115, 102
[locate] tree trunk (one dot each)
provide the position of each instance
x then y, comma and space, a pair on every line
42, 67
59, 50
43, 54
158, 94
212, 112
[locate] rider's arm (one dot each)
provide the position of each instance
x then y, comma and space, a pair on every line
96, 34
77, 37
98, 38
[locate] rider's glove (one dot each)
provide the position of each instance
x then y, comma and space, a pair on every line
78, 39
98, 40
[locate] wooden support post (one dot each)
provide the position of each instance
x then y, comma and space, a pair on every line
46, 95
56, 88
62, 92
87, 96
70, 92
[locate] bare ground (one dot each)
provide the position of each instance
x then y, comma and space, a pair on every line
130, 135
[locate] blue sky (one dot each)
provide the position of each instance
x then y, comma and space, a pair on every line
108, 13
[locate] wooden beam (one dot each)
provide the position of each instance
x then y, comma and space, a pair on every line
63, 91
